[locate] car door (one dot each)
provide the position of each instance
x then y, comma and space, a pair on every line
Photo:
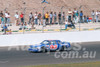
53, 45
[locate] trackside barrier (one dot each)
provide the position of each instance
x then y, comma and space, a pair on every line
36, 38
85, 29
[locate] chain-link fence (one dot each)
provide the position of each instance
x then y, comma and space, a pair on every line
57, 21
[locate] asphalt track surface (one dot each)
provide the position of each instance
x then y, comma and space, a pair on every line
14, 58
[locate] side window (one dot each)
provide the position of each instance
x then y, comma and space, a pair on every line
45, 42
59, 42
53, 42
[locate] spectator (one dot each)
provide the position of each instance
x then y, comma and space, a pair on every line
66, 24
8, 20
25, 26
1, 15
83, 19
32, 22
2, 21
5, 28
36, 18
87, 19
47, 17
55, 17
6, 16
39, 19
63, 16
77, 17
69, 15
59, 17
30, 17
75, 11
93, 15
51, 17
72, 24
97, 16
22, 26
81, 16
16, 19
22, 18
73, 14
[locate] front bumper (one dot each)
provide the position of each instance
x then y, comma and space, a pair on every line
33, 50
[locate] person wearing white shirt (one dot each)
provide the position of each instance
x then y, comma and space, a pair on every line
30, 18
97, 15
16, 18
76, 16
66, 24
93, 15
69, 15
36, 18
6, 15
8, 19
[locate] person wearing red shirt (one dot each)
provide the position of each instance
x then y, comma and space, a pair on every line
22, 17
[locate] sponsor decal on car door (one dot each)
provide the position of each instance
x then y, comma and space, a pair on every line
53, 47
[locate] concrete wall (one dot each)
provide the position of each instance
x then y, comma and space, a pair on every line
35, 38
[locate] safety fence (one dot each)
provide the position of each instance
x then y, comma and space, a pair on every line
54, 27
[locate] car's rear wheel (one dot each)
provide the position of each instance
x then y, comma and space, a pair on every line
62, 48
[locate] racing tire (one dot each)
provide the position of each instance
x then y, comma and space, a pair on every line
66, 49
43, 49
62, 48
70, 48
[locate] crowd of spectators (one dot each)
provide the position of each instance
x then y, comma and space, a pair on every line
49, 18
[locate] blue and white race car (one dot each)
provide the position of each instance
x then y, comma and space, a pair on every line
49, 45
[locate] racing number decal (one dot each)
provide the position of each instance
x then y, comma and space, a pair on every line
53, 47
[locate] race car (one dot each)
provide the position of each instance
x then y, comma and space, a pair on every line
49, 45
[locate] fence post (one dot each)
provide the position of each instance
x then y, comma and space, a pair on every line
24, 16
61, 18
4, 20
43, 20
79, 18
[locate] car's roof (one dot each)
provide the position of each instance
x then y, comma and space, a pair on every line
52, 40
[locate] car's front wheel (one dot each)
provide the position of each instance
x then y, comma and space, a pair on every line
43, 49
